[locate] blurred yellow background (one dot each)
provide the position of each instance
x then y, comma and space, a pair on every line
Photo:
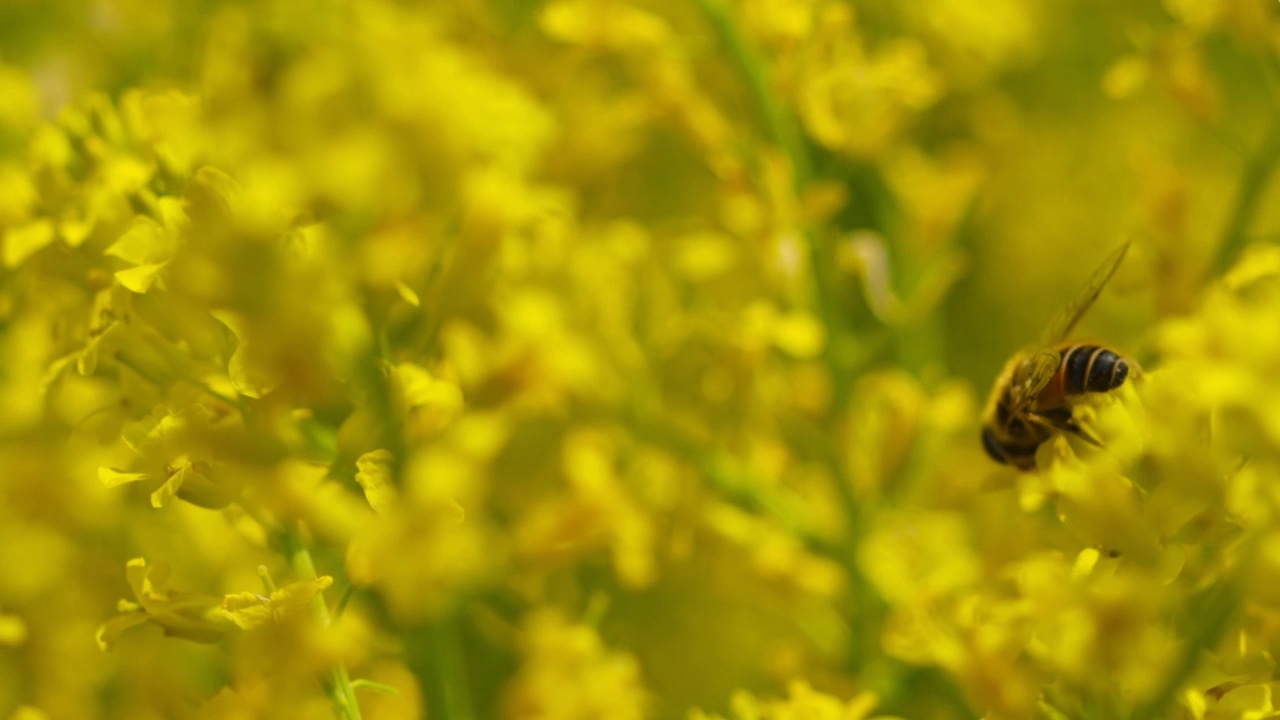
627, 358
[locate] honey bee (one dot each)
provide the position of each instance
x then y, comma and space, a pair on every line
1032, 400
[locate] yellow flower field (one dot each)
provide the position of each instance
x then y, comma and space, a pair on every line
575, 359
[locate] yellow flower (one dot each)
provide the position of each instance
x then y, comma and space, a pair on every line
918, 558
775, 552
148, 245
180, 614
373, 472
13, 630
978, 42
596, 512
182, 451
607, 24
250, 610
802, 702
857, 101
568, 674
423, 522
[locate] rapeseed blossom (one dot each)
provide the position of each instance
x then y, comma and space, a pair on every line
624, 359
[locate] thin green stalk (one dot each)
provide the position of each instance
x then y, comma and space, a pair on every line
446, 675
374, 687
1257, 174
127, 360
779, 123
784, 131
338, 684
345, 598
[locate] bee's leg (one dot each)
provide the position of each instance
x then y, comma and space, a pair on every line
1084, 434
1062, 419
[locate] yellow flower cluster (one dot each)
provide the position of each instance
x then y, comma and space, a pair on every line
581, 359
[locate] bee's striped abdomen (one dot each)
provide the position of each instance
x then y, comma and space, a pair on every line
1089, 368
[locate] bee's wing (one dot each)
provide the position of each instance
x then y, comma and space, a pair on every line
1071, 314
1043, 366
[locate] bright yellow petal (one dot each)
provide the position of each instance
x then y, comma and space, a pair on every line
140, 279
169, 490
24, 241
110, 477
373, 472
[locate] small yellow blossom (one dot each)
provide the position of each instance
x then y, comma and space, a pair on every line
802, 702
424, 522
250, 610
185, 615
164, 443
373, 472
569, 674
857, 101
610, 24
13, 631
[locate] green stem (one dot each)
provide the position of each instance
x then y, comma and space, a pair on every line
779, 123
1257, 173
374, 687
783, 130
446, 675
345, 598
133, 364
338, 683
